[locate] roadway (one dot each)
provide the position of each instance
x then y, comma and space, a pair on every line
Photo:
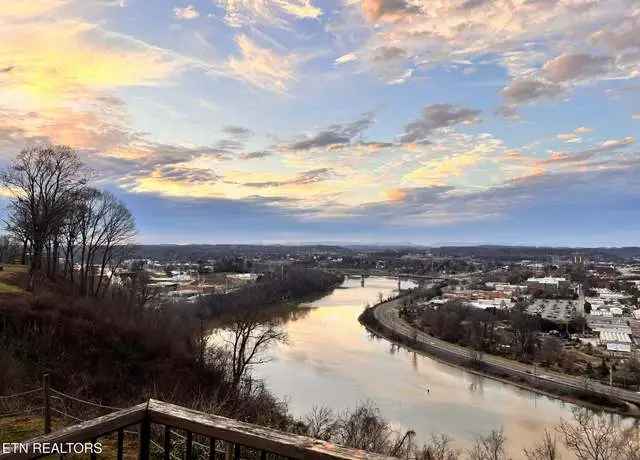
388, 315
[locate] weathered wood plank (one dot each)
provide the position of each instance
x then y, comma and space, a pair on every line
85, 431
253, 436
215, 427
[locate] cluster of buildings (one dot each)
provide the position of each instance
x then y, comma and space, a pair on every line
480, 298
611, 322
186, 281
550, 286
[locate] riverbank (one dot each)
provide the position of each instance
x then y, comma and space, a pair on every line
383, 320
296, 286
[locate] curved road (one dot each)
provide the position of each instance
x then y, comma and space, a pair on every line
388, 315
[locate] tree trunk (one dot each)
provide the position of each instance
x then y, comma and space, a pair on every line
56, 250
23, 259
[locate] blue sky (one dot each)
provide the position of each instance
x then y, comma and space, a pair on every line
447, 121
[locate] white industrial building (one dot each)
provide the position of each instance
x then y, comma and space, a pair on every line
616, 341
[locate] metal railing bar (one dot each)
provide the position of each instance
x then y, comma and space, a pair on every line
189, 445
22, 412
24, 393
167, 443
212, 448
83, 401
120, 446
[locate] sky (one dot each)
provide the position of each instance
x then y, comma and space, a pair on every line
368, 121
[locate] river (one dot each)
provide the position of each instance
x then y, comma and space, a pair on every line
331, 360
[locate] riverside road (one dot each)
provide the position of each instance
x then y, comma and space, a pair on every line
387, 314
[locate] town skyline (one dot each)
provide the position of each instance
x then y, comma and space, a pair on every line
372, 121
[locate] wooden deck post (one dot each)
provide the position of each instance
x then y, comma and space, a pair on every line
47, 404
145, 438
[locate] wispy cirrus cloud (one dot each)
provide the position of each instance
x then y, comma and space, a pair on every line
575, 136
30, 9
186, 13
85, 57
304, 178
262, 67
610, 145
240, 13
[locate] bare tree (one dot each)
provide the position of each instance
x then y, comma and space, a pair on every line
105, 227
591, 436
546, 449
321, 423
630, 444
140, 290
248, 336
42, 181
365, 429
18, 225
438, 448
524, 330
490, 447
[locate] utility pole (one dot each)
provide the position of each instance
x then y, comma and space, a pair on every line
47, 404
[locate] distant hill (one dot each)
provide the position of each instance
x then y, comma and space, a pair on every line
194, 252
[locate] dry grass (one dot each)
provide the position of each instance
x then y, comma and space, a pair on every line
22, 428
12, 277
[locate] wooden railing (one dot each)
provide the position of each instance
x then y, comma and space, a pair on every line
162, 426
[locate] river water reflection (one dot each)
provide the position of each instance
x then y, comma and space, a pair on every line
332, 360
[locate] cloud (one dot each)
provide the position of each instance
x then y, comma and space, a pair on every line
346, 58
610, 145
391, 63
85, 57
186, 13
636, 116
441, 171
527, 90
574, 136
334, 135
439, 205
375, 10
305, 178
438, 116
255, 155
262, 67
622, 37
572, 67
387, 53
184, 174
240, 13
30, 9
237, 131
521, 35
